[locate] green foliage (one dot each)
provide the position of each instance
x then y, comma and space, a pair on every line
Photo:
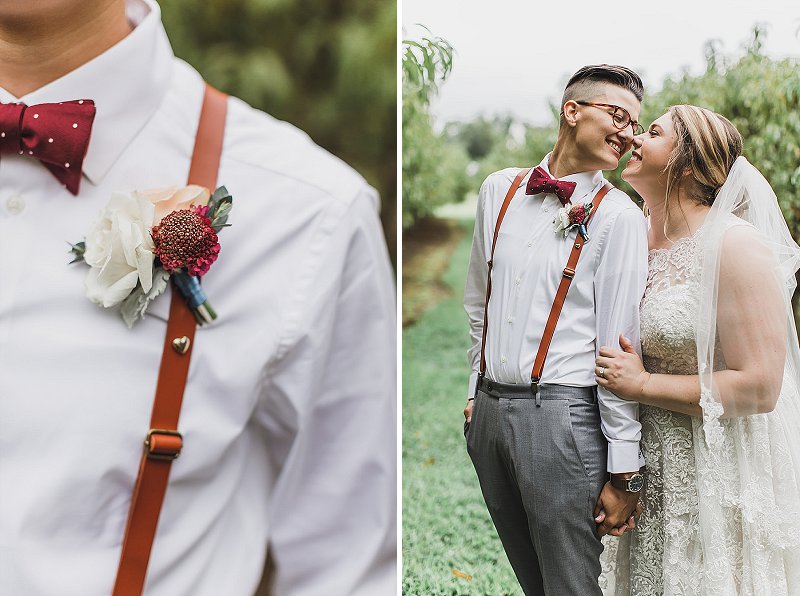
434, 170
425, 63
219, 207
761, 96
480, 135
327, 67
535, 143
446, 526
78, 250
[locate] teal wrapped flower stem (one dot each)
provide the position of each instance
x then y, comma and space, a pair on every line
189, 286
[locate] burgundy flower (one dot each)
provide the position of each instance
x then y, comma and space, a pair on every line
577, 215
185, 240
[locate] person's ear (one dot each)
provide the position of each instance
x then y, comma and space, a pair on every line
571, 113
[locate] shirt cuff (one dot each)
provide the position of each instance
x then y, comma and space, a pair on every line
473, 381
624, 456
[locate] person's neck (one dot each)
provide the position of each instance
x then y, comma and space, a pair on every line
684, 218
35, 51
564, 161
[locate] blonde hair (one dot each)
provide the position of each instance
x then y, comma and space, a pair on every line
707, 145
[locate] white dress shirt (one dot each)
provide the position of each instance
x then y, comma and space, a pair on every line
289, 416
603, 299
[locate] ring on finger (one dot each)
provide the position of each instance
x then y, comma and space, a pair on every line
602, 373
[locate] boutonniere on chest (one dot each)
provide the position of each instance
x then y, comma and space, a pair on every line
572, 216
144, 238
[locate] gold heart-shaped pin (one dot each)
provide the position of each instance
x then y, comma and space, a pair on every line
181, 344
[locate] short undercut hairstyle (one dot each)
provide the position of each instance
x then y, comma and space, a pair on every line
583, 84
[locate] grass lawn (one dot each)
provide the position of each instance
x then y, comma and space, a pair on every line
449, 543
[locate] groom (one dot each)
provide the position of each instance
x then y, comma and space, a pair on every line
557, 457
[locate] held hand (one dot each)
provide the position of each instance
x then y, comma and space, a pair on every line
621, 371
615, 511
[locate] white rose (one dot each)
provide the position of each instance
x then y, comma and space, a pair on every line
119, 249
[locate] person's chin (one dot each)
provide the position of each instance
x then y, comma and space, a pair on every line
628, 174
608, 163
632, 178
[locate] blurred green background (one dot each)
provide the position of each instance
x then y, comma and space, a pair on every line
327, 66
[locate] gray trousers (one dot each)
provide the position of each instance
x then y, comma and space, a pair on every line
541, 470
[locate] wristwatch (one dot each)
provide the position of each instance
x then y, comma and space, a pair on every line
632, 484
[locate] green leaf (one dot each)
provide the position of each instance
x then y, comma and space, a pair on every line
134, 306
78, 250
217, 197
219, 206
220, 218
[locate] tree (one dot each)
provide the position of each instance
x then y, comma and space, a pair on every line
434, 171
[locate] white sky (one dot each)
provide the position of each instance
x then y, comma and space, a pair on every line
515, 55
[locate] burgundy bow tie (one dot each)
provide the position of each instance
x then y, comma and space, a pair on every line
540, 182
57, 134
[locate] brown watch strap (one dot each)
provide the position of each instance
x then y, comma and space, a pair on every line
620, 482
561, 293
164, 442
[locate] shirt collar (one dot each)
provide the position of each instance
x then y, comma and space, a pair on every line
585, 182
127, 83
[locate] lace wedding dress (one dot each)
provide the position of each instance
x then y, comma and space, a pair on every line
742, 543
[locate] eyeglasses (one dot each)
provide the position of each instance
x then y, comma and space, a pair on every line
620, 116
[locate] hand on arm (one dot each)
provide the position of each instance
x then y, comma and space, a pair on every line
622, 373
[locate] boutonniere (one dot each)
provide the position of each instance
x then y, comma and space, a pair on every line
144, 238
573, 216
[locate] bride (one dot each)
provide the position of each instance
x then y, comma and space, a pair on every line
718, 387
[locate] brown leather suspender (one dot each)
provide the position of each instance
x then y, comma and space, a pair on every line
164, 442
506, 202
561, 293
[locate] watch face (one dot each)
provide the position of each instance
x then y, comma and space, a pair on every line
635, 483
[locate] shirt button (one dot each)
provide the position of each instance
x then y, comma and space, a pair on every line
15, 205
510, 320
530, 243
503, 359
547, 209
518, 281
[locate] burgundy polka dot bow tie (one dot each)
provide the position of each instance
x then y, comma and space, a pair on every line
57, 134
540, 182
